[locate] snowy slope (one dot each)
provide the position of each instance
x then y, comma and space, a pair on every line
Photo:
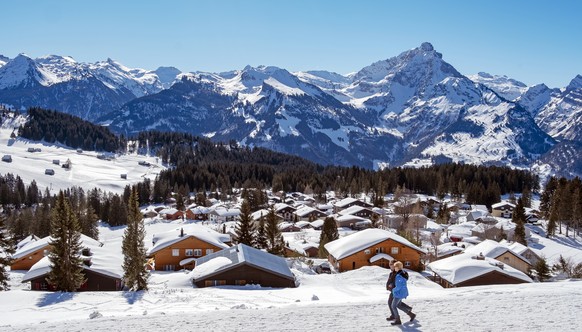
88, 171
356, 300
506, 87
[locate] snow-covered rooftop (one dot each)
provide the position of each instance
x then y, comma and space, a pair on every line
351, 244
463, 267
104, 260
237, 255
200, 232
33, 246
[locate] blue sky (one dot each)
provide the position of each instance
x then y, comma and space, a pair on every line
532, 41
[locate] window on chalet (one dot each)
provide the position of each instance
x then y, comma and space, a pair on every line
197, 252
208, 283
175, 252
209, 251
394, 250
379, 250
506, 259
367, 251
240, 282
189, 252
407, 263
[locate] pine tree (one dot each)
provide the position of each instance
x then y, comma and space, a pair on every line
134, 252
275, 244
245, 229
67, 266
518, 217
328, 233
261, 238
542, 270
89, 224
6, 250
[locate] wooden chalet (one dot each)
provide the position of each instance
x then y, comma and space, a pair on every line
171, 214
372, 247
242, 265
191, 241
307, 213
285, 211
470, 270
502, 253
102, 270
502, 209
35, 250
197, 213
349, 202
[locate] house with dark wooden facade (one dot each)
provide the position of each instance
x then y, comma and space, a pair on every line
242, 265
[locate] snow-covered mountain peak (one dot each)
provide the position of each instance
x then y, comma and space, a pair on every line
167, 75
506, 87
427, 47
575, 83
23, 71
115, 75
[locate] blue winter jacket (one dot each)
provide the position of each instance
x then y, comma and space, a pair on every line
400, 290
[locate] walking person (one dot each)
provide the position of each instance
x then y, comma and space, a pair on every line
399, 291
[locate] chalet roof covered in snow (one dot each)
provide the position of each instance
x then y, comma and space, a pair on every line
463, 267
200, 232
103, 260
33, 246
344, 202
353, 210
493, 249
502, 204
351, 244
240, 254
222, 212
305, 210
26, 240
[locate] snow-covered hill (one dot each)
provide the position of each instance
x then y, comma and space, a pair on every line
87, 170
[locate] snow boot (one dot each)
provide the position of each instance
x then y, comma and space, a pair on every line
390, 318
412, 316
396, 322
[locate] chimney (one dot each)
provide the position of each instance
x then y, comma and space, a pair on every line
181, 232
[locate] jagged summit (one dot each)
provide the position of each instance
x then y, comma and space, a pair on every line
426, 46
575, 83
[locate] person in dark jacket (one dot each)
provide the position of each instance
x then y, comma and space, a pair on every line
398, 291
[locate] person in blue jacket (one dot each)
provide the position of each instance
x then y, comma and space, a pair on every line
399, 292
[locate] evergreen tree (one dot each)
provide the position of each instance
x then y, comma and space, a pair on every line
275, 244
328, 233
89, 222
518, 217
134, 252
261, 241
67, 266
542, 270
245, 228
6, 250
